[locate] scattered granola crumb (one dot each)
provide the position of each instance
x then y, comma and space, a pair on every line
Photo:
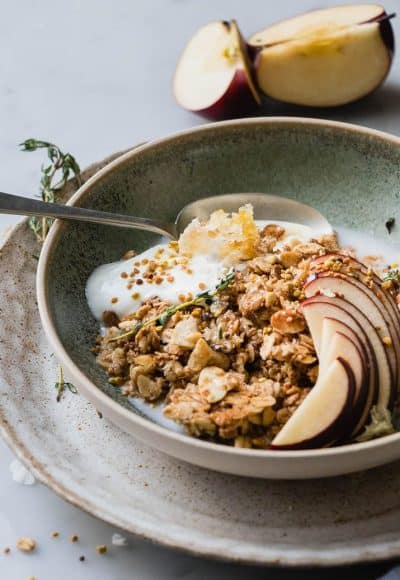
55, 534
73, 538
387, 341
6, 551
101, 549
26, 544
31, 578
129, 254
81, 558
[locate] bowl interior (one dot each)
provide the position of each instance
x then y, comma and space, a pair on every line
351, 176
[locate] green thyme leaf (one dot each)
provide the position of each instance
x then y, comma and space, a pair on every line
61, 385
62, 167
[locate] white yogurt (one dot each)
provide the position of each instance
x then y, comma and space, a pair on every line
110, 287
366, 246
107, 290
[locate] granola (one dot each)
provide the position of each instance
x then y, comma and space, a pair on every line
232, 369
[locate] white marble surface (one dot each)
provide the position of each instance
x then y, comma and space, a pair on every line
95, 77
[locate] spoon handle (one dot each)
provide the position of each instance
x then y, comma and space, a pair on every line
14, 204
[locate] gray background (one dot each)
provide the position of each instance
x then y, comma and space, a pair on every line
95, 77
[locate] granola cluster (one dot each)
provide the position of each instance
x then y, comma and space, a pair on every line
232, 370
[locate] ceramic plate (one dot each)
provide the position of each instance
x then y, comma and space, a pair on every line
97, 467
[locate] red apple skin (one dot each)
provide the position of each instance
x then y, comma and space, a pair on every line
386, 30
337, 430
237, 101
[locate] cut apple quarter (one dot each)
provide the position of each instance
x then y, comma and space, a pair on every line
325, 413
214, 77
324, 58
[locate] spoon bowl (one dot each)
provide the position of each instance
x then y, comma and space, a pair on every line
266, 207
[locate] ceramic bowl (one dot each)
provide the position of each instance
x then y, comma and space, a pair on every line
351, 174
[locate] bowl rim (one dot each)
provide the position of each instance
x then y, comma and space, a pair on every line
94, 393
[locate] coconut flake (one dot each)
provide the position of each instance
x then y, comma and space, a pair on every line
118, 540
20, 474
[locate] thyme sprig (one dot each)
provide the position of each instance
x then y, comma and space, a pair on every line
61, 385
54, 178
61, 167
202, 299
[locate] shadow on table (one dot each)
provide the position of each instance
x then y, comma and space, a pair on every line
381, 108
188, 567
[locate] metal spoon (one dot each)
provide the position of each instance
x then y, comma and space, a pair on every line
266, 207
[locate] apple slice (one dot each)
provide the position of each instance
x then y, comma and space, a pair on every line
324, 320
340, 309
339, 344
325, 413
324, 58
214, 77
363, 297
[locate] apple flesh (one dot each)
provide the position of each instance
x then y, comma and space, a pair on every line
214, 76
324, 58
324, 415
317, 20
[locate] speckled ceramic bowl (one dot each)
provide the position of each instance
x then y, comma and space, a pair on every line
351, 174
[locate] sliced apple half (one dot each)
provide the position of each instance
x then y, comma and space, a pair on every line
324, 415
341, 309
324, 58
214, 76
